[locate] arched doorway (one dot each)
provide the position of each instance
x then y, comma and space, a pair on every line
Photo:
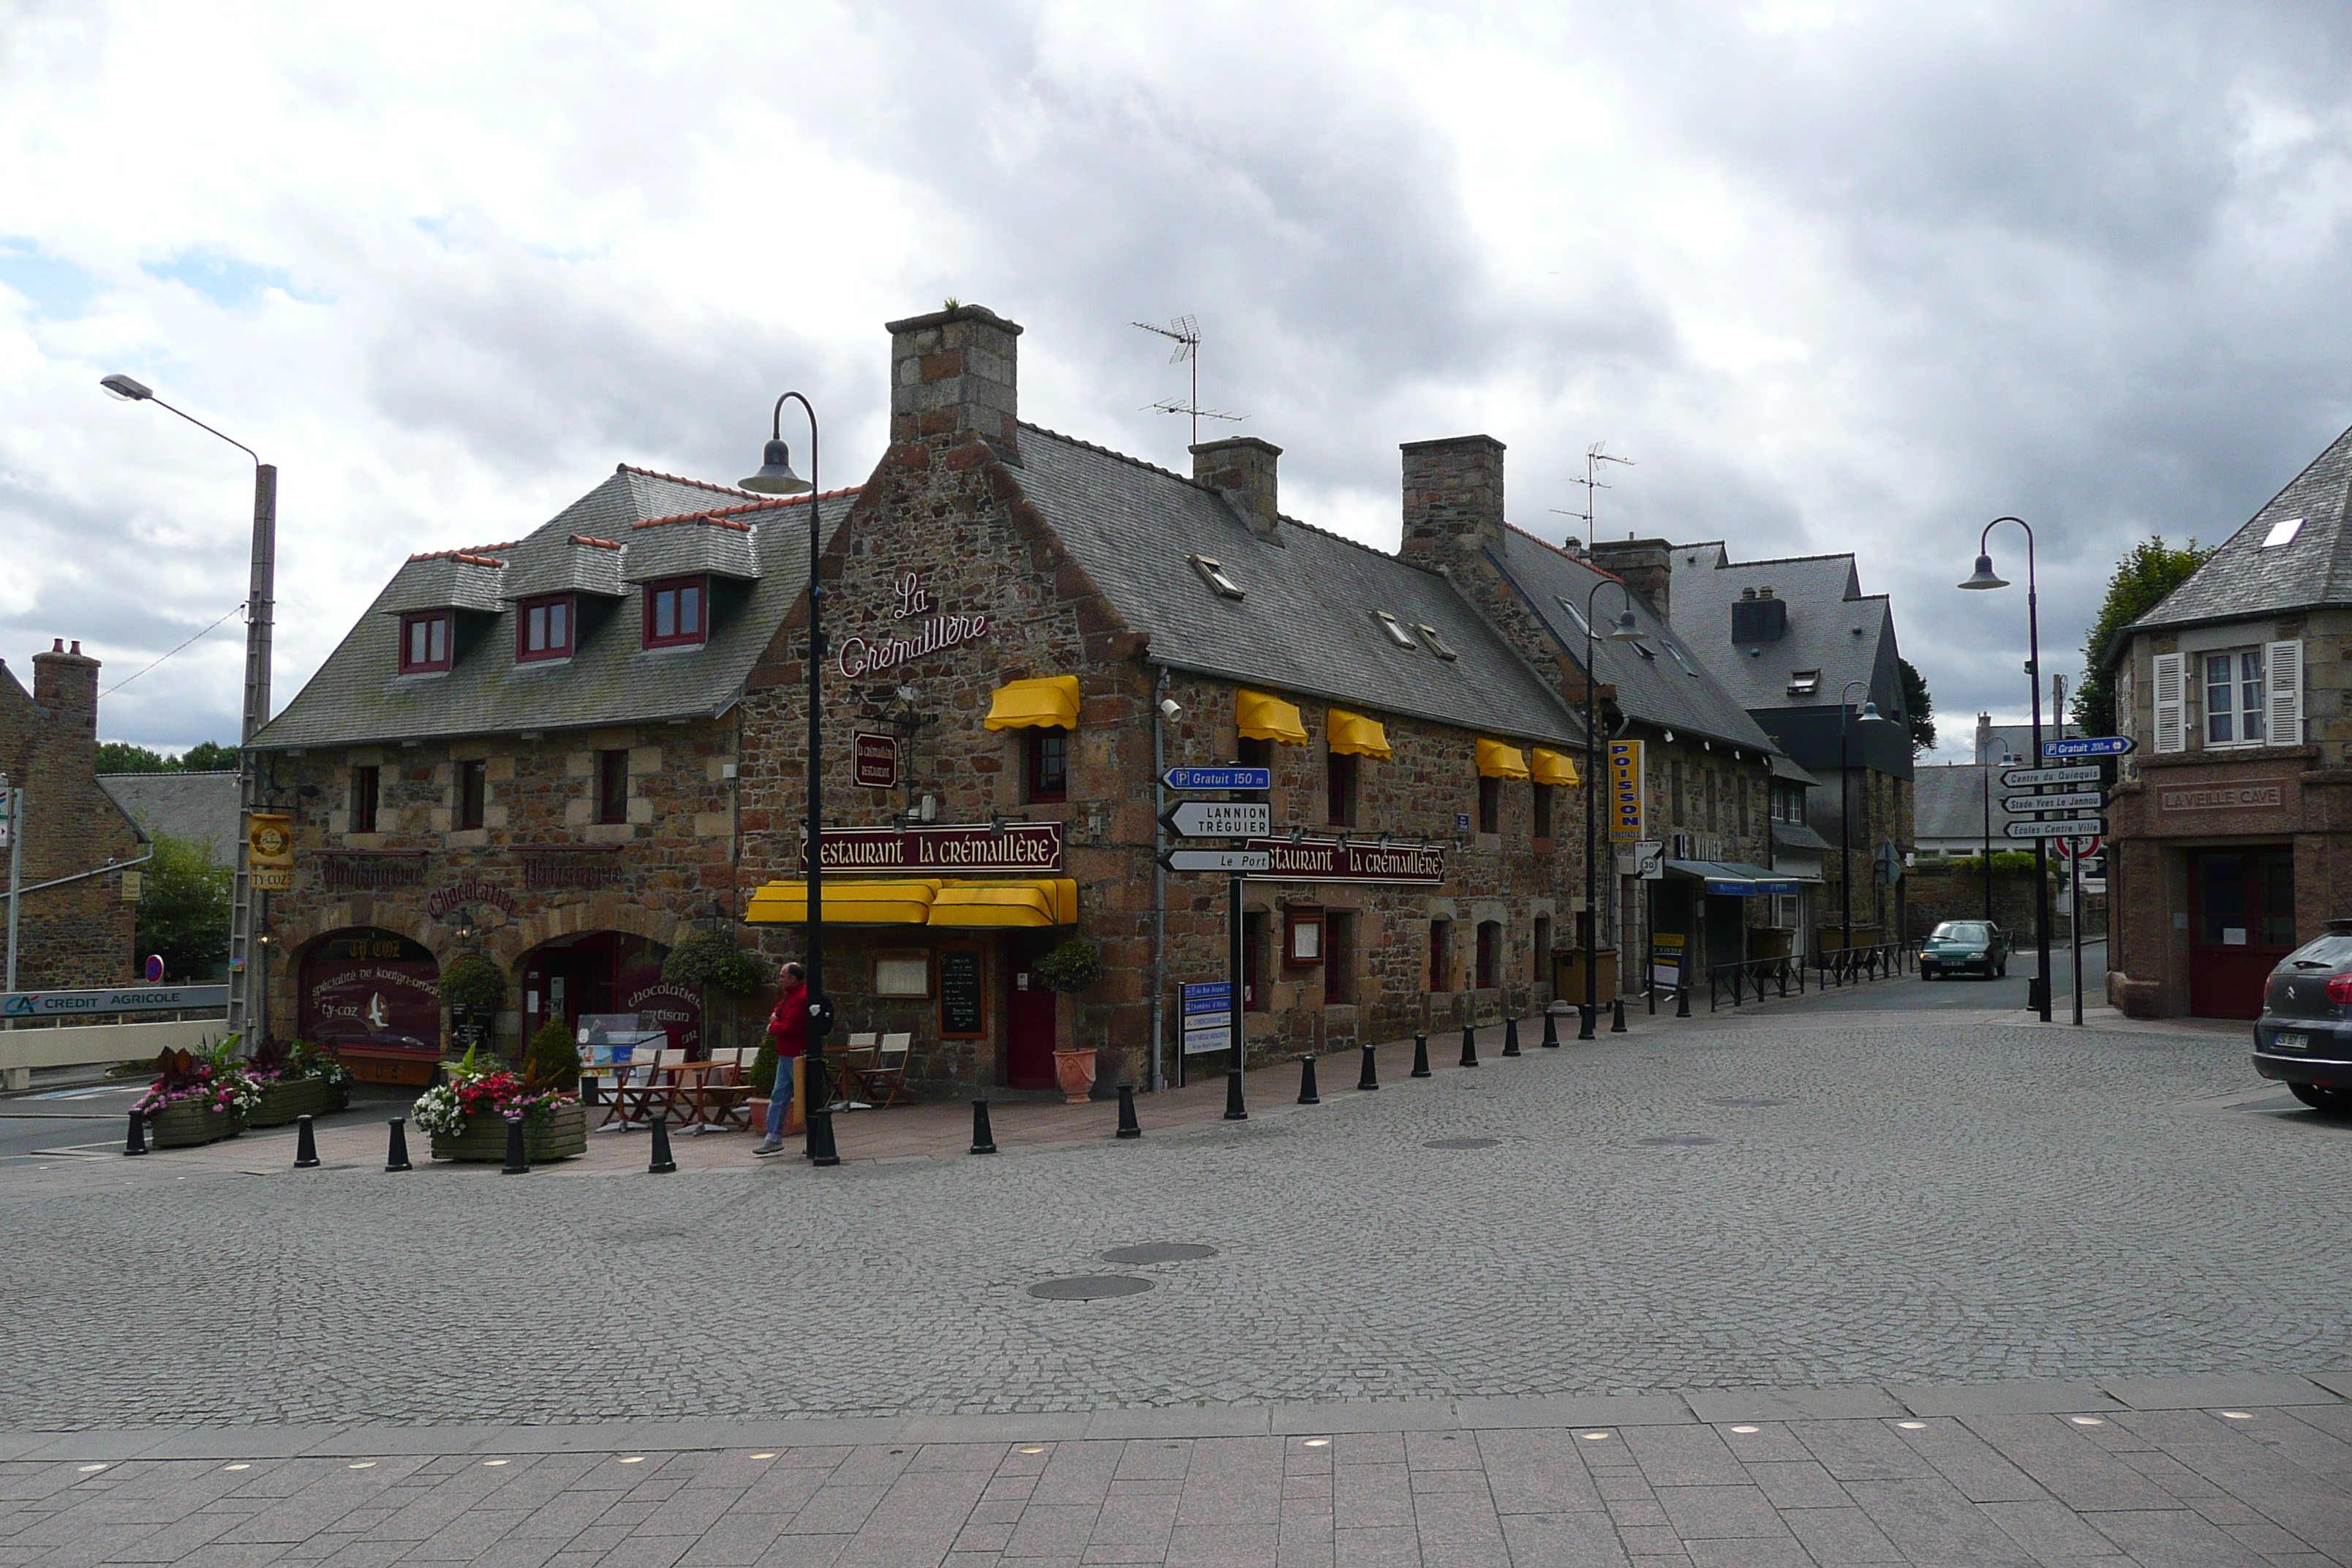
373, 997
608, 975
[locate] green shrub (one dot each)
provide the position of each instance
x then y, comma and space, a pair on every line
474, 982
710, 960
1072, 966
554, 1055
764, 1067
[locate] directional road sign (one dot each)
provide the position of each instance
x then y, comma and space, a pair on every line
2090, 746
2053, 802
1233, 862
1219, 778
2089, 828
2026, 778
1222, 819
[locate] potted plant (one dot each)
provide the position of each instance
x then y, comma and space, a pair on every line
709, 960
295, 1081
467, 1115
1071, 968
472, 985
198, 1098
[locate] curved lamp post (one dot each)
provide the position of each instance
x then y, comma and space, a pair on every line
776, 478
1625, 629
248, 993
1869, 715
1984, 577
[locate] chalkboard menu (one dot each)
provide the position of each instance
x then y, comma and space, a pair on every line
963, 994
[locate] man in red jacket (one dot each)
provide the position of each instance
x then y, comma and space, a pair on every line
788, 1027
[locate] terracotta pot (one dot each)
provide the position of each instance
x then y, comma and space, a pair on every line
1075, 1071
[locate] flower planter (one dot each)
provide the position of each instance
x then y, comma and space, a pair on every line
560, 1134
187, 1125
1075, 1071
287, 1099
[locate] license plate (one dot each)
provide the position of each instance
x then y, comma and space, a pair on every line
2290, 1042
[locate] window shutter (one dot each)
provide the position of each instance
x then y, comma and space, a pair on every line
2169, 716
2283, 692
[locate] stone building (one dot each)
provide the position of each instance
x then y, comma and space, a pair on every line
529, 749
76, 933
2232, 823
1022, 631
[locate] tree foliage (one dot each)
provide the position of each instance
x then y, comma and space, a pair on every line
711, 959
1919, 709
204, 757
208, 757
2149, 571
184, 908
473, 981
554, 1055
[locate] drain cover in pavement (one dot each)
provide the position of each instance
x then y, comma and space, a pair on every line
1462, 1143
1088, 1287
1750, 1100
1678, 1140
1160, 1252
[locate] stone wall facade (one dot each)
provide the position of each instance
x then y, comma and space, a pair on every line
80, 934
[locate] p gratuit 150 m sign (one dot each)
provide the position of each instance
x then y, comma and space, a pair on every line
870, 655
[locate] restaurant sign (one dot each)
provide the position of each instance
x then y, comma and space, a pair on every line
1331, 861
945, 850
875, 757
933, 630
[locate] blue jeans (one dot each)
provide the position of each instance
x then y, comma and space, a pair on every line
780, 1098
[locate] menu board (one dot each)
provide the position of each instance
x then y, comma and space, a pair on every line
963, 994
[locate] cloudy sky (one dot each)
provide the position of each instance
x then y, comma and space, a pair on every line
1838, 277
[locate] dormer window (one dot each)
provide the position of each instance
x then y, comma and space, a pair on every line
678, 612
1436, 644
424, 641
1804, 682
545, 629
1214, 574
1395, 628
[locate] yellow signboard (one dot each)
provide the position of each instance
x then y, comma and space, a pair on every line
270, 850
1628, 791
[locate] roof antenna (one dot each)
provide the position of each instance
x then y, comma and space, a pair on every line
1186, 331
1594, 455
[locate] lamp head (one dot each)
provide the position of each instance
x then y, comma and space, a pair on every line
1984, 577
1626, 628
1871, 715
775, 477
122, 389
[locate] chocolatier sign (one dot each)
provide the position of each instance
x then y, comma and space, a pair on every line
946, 850
1329, 860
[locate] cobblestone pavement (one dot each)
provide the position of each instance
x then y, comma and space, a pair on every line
2008, 1483
1780, 1200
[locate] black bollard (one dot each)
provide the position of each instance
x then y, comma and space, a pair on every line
663, 1162
1511, 1037
1617, 1016
1682, 1001
306, 1144
1469, 1044
1420, 1056
984, 1137
1552, 1030
1235, 1109
1370, 1078
395, 1158
136, 1143
518, 1156
1307, 1095
592, 1090
1128, 1127
1584, 1021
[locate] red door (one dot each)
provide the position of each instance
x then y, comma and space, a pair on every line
2241, 923
1028, 1021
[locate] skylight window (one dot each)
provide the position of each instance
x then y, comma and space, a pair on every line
2283, 532
1687, 668
1214, 573
1395, 628
1804, 682
1582, 626
1436, 644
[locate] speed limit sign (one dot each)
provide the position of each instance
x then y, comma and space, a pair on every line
2084, 848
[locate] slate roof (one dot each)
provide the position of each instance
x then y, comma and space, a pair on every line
2244, 579
1305, 626
1948, 803
1787, 767
358, 697
200, 807
1664, 682
1826, 604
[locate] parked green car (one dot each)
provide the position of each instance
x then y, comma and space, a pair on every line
1957, 946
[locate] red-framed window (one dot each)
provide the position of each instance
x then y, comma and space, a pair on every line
678, 612
426, 640
1049, 764
544, 629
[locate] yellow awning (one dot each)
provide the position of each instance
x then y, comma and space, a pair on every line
956, 904
1551, 768
1048, 702
1498, 761
1352, 734
1263, 718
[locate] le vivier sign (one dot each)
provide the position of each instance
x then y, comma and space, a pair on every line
945, 850
1328, 861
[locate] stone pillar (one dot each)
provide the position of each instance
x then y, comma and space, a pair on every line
1242, 469
954, 375
1645, 564
1453, 500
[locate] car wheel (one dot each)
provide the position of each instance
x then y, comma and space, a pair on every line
2001, 973
2320, 1096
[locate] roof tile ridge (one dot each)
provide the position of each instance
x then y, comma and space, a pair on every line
1573, 557
726, 515
599, 544
471, 554
681, 480
1122, 457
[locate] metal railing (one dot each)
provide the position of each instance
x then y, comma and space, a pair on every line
1754, 979
1853, 965
1762, 979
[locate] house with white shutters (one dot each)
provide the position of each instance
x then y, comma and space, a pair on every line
2231, 821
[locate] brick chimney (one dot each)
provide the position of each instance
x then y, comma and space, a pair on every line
1242, 469
1453, 498
954, 375
67, 685
1647, 565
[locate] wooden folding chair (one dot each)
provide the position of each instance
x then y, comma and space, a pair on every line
885, 1080
655, 1092
719, 1095
846, 1070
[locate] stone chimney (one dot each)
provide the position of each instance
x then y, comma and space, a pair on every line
1647, 565
67, 685
1242, 469
1984, 739
1453, 498
954, 375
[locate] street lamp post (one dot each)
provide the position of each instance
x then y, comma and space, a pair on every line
1983, 577
1870, 715
248, 993
1625, 629
776, 478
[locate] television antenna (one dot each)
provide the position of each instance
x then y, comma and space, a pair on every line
1185, 332
1594, 455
